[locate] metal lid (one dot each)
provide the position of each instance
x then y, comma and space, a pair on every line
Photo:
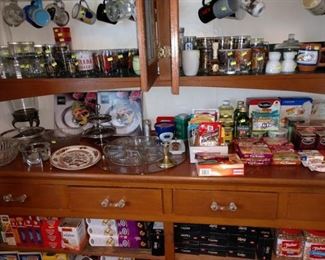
290, 44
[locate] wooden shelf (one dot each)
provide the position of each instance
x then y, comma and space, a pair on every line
90, 251
302, 82
211, 257
18, 88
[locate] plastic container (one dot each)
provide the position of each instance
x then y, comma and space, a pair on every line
282, 132
290, 243
314, 245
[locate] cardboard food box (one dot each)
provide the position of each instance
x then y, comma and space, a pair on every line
73, 232
265, 113
221, 149
230, 165
295, 107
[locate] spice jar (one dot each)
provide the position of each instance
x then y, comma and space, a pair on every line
290, 243
258, 55
314, 245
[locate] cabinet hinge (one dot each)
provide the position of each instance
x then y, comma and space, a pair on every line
164, 52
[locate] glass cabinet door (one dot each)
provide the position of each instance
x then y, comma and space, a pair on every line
147, 42
174, 27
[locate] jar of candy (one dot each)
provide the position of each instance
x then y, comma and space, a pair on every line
290, 243
314, 245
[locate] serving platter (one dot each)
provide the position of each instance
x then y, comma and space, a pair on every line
75, 157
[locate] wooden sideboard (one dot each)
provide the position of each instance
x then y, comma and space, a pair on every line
269, 196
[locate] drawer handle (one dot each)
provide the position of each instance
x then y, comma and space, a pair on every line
9, 198
106, 203
216, 207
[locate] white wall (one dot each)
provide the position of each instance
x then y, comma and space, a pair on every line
281, 17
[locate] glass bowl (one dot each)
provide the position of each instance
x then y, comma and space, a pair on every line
134, 151
8, 150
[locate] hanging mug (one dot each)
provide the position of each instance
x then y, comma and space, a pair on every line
61, 17
206, 12
12, 14
36, 15
83, 13
102, 15
253, 7
58, 13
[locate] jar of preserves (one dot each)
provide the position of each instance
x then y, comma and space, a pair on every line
314, 245
290, 243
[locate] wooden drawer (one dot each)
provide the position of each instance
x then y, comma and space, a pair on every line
306, 206
32, 196
116, 200
254, 205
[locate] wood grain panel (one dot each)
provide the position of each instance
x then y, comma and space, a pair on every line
253, 205
138, 201
306, 206
38, 196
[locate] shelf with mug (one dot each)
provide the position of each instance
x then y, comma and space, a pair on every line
301, 82
19, 88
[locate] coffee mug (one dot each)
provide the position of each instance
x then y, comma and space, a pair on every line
224, 8
253, 7
308, 57
190, 62
58, 13
206, 12
36, 15
83, 13
12, 14
316, 7
102, 15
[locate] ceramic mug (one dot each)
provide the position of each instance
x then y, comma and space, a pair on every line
58, 13
316, 7
190, 62
12, 14
253, 7
83, 13
308, 57
36, 15
101, 13
224, 8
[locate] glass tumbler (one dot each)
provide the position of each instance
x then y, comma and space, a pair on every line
34, 154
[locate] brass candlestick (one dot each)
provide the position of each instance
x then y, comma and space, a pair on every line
166, 161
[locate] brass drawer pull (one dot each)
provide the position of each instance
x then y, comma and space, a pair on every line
9, 198
106, 203
214, 206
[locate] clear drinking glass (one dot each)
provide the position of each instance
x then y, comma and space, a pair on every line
34, 154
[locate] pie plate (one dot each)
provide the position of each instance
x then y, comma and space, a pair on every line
75, 157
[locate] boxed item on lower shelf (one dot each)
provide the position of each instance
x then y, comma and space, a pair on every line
73, 232
221, 149
226, 165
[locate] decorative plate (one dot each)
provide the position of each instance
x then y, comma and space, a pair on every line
75, 157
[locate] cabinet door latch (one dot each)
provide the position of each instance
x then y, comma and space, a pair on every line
164, 52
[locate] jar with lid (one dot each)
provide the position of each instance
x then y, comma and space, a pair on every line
290, 243
314, 245
51, 66
258, 55
4, 53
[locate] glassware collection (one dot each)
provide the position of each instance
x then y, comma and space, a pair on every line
29, 60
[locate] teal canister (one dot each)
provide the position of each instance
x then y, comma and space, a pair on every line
181, 121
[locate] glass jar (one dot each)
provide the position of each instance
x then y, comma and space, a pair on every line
4, 54
259, 55
85, 63
290, 243
314, 245
51, 66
